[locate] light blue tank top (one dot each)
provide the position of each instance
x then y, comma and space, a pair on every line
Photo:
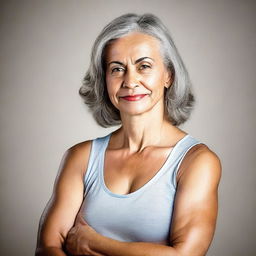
141, 216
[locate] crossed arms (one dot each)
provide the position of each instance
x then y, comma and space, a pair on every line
63, 230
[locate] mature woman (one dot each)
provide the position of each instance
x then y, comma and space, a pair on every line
148, 188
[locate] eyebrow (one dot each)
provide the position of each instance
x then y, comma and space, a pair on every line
137, 61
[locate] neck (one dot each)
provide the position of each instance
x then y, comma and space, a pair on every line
148, 129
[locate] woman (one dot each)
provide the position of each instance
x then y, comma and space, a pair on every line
148, 188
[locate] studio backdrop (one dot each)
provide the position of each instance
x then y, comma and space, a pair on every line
45, 51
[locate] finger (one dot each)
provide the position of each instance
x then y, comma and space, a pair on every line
71, 232
82, 207
68, 246
80, 219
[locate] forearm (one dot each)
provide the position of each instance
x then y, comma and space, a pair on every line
110, 247
50, 251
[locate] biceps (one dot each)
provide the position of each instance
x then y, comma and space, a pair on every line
194, 235
57, 220
196, 205
60, 212
196, 242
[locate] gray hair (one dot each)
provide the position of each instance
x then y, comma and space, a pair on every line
179, 100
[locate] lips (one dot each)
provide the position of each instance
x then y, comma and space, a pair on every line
134, 97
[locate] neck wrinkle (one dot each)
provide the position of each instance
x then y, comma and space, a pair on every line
139, 132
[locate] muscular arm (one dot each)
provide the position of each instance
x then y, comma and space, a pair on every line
196, 206
59, 214
194, 216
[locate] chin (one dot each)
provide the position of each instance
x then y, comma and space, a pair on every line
134, 110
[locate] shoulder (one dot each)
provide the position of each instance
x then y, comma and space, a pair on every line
80, 148
196, 203
200, 162
77, 155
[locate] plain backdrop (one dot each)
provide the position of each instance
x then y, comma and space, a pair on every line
45, 51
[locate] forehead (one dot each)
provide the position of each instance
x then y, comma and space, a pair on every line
134, 45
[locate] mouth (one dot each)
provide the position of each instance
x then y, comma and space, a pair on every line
134, 97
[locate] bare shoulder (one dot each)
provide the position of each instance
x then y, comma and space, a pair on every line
78, 155
80, 149
196, 203
59, 214
200, 160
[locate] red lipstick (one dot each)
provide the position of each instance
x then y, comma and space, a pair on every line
134, 97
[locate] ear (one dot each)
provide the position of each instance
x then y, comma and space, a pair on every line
168, 79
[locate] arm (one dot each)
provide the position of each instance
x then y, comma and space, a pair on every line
59, 214
196, 206
194, 217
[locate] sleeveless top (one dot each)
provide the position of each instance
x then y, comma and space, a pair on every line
141, 216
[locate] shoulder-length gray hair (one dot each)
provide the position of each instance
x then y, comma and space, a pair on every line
179, 100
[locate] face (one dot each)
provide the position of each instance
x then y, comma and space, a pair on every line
135, 74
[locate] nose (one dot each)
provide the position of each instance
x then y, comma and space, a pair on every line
130, 79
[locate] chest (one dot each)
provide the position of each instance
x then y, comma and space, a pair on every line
124, 174
144, 215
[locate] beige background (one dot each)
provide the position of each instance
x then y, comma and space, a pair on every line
45, 48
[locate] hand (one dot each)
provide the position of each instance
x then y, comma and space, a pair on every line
80, 238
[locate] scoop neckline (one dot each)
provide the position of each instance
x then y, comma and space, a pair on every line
148, 183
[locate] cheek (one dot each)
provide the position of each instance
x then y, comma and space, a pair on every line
109, 85
155, 81
111, 89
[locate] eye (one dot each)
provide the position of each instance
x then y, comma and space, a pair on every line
117, 70
144, 66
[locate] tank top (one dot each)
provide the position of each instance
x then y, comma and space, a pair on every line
141, 216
